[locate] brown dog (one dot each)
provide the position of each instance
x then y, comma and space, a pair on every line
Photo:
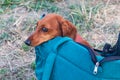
53, 25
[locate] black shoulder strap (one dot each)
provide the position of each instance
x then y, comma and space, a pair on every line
109, 53
108, 50
117, 46
106, 59
110, 58
112, 54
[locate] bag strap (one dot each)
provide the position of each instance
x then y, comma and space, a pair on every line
108, 50
105, 59
110, 58
109, 53
49, 66
117, 46
50, 61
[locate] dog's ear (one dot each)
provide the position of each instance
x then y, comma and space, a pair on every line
68, 29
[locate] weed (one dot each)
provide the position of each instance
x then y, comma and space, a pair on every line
4, 36
51, 0
6, 4
33, 65
82, 15
72, 7
33, 78
3, 71
20, 73
97, 8
11, 19
44, 5
36, 5
1, 11
2, 24
25, 47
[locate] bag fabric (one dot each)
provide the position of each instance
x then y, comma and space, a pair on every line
63, 59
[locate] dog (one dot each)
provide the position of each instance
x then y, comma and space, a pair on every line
52, 25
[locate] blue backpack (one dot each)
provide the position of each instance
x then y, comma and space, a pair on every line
63, 59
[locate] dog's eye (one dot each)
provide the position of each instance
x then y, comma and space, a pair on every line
44, 29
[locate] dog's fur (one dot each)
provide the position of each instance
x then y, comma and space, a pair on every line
53, 25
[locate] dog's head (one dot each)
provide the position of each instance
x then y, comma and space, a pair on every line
50, 26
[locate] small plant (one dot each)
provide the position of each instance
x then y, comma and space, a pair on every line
1, 11
33, 78
44, 5
51, 0
5, 4
72, 6
3, 71
33, 65
25, 47
82, 15
4, 36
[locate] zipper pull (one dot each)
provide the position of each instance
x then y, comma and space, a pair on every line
96, 68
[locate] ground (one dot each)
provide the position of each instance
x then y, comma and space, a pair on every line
97, 21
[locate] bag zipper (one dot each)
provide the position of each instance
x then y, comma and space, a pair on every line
94, 58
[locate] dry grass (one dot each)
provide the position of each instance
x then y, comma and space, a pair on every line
16, 58
97, 21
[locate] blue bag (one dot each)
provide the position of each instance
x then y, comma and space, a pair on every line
63, 59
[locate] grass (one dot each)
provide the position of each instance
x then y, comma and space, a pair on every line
3, 71
18, 20
4, 36
82, 15
33, 65
46, 5
6, 4
25, 47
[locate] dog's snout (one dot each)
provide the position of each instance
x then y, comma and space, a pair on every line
28, 42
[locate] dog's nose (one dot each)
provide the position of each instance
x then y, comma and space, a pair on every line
28, 42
